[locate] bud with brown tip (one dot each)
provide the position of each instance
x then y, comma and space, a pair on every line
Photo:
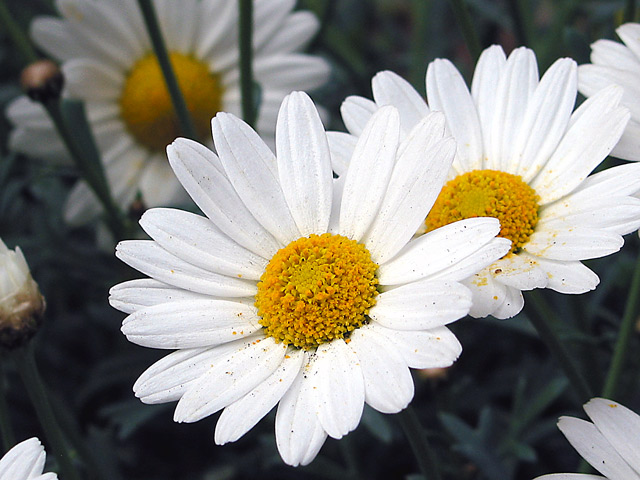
21, 303
42, 81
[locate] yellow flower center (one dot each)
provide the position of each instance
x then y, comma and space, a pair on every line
146, 106
316, 289
489, 193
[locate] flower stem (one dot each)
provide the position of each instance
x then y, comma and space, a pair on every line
8, 437
542, 324
26, 365
630, 11
245, 38
463, 17
624, 336
89, 164
425, 457
160, 49
18, 37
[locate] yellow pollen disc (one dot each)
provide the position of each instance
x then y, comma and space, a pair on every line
316, 289
489, 193
145, 104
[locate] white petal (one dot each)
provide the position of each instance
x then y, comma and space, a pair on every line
594, 78
484, 89
434, 348
190, 324
545, 119
595, 449
391, 89
53, 36
629, 33
199, 171
294, 34
388, 386
619, 215
198, 241
251, 168
614, 54
628, 147
520, 271
290, 71
304, 164
448, 93
243, 414
424, 160
341, 146
368, 175
568, 277
439, 249
517, 83
491, 296
158, 184
620, 426
92, 80
231, 378
356, 113
178, 22
299, 434
339, 388
24, 461
149, 258
595, 128
168, 378
572, 243
421, 305
133, 295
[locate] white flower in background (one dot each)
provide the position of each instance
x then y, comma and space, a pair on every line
614, 63
524, 156
295, 289
108, 62
25, 461
21, 304
611, 444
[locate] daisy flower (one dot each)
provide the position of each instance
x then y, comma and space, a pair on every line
611, 444
523, 156
615, 63
296, 289
108, 62
25, 461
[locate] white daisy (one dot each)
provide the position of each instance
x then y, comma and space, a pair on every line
614, 63
108, 62
296, 289
25, 461
523, 156
611, 444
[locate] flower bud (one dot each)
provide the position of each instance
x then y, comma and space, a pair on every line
42, 81
21, 304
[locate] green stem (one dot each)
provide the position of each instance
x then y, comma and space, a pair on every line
19, 39
542, 324
94, 177
630, 11
8, 437
160, 49
624, 336
425, 457
245, 38
419, 14
463, 17
26, 365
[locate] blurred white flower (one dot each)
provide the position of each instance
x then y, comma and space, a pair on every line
296, 289
107, 61
21, 304
615, 63
25, 461
523, 156
611, 444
